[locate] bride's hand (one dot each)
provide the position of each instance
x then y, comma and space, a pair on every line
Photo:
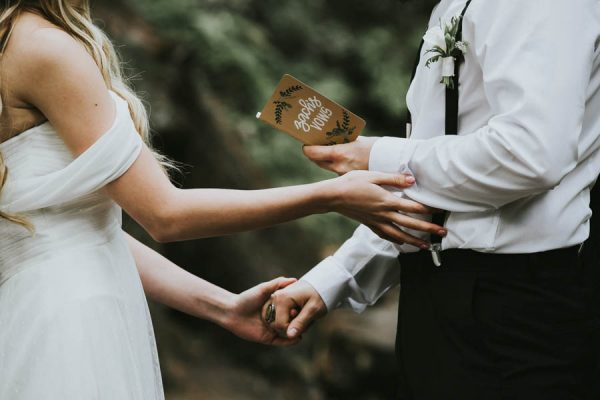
359, 195
244, 317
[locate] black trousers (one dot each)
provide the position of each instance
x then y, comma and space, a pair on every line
491, 327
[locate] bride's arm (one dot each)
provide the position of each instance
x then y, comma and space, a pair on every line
171, 214
63, 82
167, 283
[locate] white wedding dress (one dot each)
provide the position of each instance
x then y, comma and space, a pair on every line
74, 322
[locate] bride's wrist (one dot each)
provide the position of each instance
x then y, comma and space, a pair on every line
226, 315
217, 306
327, 196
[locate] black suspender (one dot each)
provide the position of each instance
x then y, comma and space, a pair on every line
412, 78
451, 128
452, 94
591, 253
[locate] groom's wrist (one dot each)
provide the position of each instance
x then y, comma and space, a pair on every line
330, 281
391, 154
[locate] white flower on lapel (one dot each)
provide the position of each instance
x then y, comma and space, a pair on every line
435, 38
445, 47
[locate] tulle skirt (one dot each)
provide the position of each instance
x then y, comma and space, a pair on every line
74, 324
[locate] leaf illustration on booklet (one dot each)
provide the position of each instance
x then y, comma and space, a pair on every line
343, 129
303, 113
282, 104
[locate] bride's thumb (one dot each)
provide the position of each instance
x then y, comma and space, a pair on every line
396, 180
268, 288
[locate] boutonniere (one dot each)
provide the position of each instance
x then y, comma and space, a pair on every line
446, 48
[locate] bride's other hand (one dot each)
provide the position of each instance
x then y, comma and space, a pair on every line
359, 195
342, 158
171, 285
244, 317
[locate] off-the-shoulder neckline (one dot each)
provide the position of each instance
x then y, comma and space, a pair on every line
26, 132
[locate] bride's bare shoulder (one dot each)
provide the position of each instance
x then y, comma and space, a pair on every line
37, 49
33, 35
41, 59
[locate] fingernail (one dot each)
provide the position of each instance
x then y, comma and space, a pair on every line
442, 232
293, 332
410, 179
425, 246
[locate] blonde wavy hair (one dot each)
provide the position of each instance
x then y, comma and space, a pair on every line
76, 21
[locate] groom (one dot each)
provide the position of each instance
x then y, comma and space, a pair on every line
505, 310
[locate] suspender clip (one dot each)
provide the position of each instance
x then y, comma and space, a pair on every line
436, 254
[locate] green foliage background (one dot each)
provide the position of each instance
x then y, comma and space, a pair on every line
359, 53
205, 67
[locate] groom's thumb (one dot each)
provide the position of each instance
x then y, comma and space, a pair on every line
301, 323
318, 153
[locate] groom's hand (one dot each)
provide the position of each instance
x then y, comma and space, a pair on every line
342, 158
244, 317
299, 297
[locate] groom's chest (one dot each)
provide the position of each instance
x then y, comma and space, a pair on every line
427, 95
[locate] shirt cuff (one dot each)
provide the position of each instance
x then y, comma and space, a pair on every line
330, 281
391, 154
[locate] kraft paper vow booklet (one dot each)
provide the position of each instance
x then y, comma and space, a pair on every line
303, 113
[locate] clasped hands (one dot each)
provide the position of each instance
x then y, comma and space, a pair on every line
291, 310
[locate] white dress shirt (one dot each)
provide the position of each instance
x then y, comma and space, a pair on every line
517, 177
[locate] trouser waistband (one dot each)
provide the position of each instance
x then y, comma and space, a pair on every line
465, 258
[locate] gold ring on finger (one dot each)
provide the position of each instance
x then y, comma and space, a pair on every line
271, 313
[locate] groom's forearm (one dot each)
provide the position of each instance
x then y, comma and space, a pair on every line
358, 274
169, 284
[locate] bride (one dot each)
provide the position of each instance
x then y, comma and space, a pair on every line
74, 322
